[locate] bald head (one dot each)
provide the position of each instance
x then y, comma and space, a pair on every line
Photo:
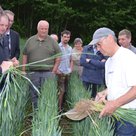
55, 37
42, 29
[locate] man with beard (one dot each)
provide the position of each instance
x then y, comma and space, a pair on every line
65, 67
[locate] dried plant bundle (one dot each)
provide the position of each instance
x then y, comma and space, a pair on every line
85, 108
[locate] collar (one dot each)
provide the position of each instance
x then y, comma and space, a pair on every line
41, 40
8, 32
61, 45
130, 46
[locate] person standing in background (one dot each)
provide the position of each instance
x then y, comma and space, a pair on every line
39, 48
124, 39
66, 66
4, 22
12, 39
93, 63
4, 65
76, 54
55, 37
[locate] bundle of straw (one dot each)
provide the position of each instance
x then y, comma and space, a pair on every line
87, 107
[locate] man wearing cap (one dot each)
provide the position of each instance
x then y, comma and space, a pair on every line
120, 73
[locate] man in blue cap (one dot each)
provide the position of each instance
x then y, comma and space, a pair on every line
120, 73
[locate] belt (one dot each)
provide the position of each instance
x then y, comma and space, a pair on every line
40, 70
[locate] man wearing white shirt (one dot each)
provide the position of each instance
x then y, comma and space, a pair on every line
120, 73
66, 65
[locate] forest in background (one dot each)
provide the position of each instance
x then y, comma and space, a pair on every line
81, 17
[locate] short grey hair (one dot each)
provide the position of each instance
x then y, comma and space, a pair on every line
9, 12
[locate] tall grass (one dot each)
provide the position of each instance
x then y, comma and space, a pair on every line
90, 126
13, 99
76, 93
45, 122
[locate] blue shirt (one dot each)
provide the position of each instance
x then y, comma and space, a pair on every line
64, 66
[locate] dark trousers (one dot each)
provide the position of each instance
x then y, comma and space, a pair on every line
38, 79
92, 88
124, 129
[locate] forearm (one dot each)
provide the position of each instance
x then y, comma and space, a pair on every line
71, 65
126, 98
56, 65
24, 61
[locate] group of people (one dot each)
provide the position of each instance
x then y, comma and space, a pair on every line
104, 61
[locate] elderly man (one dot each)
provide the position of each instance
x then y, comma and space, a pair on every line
38, 49
12, 39
4, 65
120, 73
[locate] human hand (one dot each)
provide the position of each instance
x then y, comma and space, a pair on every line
109, 109
6, 65
87, 60
15, 62
58, 72
101, 96
103, 60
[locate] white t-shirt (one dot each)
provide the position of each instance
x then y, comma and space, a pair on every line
120, 74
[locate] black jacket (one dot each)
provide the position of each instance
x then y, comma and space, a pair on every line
2, 54
15, 49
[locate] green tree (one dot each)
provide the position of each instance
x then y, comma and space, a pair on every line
81, 17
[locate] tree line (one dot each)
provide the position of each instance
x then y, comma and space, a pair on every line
81, 17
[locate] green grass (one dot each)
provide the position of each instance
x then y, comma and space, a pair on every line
22, 45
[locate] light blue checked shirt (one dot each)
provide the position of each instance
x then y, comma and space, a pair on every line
64, 66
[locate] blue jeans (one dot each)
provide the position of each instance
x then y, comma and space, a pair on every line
125, 129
